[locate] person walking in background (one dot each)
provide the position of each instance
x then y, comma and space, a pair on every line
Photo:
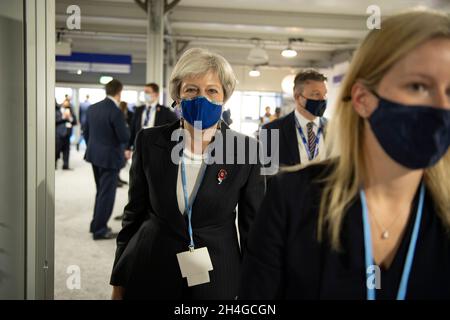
105, 132
267, 117
152, 114
84, 106
277, 114
65, 120
303, 131
128, 116
226, 117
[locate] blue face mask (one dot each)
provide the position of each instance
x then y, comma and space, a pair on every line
316, 107
416, 137
200, 109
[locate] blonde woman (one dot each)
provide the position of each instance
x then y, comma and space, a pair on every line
373, 222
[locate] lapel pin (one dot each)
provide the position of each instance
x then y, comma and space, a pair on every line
221, 175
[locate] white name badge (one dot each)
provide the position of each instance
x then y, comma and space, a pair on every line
195, 266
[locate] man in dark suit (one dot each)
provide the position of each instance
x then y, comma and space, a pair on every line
105, 131
301, 132
84, 106
152, 114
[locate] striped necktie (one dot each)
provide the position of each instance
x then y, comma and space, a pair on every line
147, 116
311, 139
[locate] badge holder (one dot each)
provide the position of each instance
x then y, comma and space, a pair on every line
195, 265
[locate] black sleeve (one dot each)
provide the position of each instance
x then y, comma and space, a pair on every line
74, 119
86, 128
120, 127
263, 262
59, 118
249, 203
132, 131
135, 211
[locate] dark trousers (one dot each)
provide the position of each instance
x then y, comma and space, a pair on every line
63, 145
106, 182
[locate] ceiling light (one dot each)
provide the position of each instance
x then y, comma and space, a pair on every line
105, 79
257, 54
254, 72
289, 52
79, 72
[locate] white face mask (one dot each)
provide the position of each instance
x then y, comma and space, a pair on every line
149, 98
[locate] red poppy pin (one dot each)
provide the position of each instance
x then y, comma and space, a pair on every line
221, 175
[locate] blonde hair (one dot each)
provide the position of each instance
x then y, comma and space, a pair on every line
196, 62
379, 51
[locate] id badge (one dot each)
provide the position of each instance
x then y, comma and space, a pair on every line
195, 266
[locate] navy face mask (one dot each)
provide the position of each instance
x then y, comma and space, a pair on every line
416, 137
316, 107
200, 109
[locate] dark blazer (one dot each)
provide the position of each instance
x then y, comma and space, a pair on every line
84, 107
105, 131
154, 230
163, 115
284, 260
61, 130
288, 143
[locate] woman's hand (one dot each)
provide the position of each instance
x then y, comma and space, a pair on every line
117, 293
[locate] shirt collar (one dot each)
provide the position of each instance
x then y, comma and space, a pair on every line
114, 100
153, 105
303, 121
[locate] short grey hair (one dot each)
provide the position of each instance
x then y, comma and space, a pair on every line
197, 62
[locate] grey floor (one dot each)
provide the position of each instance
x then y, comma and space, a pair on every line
74, 247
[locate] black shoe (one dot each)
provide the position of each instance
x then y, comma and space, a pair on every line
119, 184
122, 181
119, 217
107, 236
67, 168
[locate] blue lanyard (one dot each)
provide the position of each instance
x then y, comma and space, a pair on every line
305, 143
188, 207
401, 294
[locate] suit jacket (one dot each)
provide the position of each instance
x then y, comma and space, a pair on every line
105, 131
288, 143
284, 259
61, 130
163, 115
154, 230
84, 106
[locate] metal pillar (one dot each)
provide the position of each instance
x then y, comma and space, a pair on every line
155, 41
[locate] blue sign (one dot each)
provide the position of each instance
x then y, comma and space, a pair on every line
94, 62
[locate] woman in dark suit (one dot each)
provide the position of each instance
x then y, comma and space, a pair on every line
183, 199
373, 222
